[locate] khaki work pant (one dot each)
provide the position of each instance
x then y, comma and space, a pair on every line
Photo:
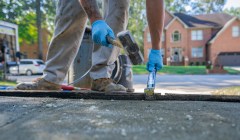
70, 25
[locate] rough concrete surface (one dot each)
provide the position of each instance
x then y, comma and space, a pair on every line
57, 119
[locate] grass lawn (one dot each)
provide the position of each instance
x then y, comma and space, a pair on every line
228, 91
8, 83
141, 69
232, 71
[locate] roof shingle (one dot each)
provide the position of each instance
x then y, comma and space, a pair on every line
216, 20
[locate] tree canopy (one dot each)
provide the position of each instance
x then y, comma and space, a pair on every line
23, 13
233, 11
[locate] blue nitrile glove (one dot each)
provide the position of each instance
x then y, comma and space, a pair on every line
154, 60
100, 30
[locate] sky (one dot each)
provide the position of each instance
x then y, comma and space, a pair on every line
232, 3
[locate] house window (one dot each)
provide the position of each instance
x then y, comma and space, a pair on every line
148, 37
163, 52
176, 36
197, 35
197, 52
235, 31
163, 37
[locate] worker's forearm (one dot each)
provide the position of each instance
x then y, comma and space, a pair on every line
155, 17
92, 10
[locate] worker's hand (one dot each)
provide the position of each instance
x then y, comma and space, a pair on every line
100, 30
154, 60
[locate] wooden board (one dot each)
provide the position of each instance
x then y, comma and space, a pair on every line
87, 94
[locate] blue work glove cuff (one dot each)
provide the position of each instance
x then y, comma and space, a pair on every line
157, 52
98, 22
100, 30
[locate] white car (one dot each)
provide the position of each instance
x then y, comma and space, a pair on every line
28, 67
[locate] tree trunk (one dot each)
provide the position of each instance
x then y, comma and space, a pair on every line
39, 28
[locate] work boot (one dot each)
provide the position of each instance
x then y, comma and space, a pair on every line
39, 84
106, 85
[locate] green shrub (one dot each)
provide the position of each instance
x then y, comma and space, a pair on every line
208, 66
197, 63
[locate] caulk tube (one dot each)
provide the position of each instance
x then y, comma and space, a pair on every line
152, 79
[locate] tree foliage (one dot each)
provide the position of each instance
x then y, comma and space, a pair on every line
13, 9
27, 28
22, 12
233, 11
137, 20
195, 6
177, 5
207, 6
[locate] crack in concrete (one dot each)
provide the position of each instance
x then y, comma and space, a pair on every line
31, 110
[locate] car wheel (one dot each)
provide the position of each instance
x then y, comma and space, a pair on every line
28, 72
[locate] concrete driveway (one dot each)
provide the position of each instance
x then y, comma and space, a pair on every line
71, 119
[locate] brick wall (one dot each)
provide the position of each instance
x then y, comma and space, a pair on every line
169, 44
207, 34
225, 42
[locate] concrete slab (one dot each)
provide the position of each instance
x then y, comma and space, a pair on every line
58, 119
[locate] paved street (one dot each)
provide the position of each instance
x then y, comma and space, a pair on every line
202, 84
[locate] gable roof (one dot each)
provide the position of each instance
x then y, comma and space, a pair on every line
166, 11
195, 22
216, 20
168, 20
222, 30
175, 18
219, 18
201, 21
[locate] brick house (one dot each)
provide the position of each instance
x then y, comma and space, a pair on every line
197, 39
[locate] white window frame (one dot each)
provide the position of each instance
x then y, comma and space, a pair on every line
197, 34
178, 34
235, 31
197, 52
163, 51
148, 37
163, 36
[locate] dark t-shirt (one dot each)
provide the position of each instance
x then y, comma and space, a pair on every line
18, 55
2, 52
